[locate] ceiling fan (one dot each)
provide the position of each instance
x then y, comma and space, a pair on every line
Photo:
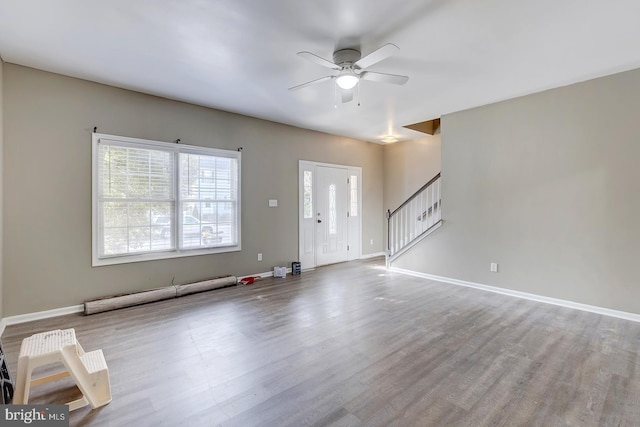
351, 69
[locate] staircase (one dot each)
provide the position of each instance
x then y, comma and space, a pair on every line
415, 219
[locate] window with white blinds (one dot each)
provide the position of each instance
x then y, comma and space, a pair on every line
154, 200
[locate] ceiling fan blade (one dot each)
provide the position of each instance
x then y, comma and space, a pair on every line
318, 60
377, 55
384, 78
347, 95
312, 82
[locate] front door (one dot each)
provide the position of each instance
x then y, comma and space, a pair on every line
331, 215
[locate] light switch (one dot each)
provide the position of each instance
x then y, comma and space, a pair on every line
273, 203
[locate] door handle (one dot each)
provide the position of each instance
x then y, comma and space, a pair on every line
319, 221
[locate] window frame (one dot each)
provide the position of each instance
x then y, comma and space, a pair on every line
177, 149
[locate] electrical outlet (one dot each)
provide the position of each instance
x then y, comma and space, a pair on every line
494, 267
260, 256
371, 242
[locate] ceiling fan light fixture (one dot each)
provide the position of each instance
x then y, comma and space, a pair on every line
347, 79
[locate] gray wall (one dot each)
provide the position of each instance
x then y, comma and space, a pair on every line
408, 165
47, 122
547, 186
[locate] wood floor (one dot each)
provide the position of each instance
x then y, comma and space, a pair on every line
350, 345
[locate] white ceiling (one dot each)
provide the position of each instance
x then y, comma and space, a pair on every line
240, 55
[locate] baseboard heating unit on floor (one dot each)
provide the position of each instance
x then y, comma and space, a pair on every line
151, 295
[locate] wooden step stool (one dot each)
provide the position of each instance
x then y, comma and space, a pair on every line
88, 370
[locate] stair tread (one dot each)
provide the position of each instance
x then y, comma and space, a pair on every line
47, 342
94, 361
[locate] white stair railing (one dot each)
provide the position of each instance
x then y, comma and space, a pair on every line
415, 218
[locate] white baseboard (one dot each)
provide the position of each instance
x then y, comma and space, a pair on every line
38, 315
22, 318
263, 275
374, 255
533, 297
266, 274
28, 317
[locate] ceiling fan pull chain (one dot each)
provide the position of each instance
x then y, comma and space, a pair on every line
335, 96
359, 94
